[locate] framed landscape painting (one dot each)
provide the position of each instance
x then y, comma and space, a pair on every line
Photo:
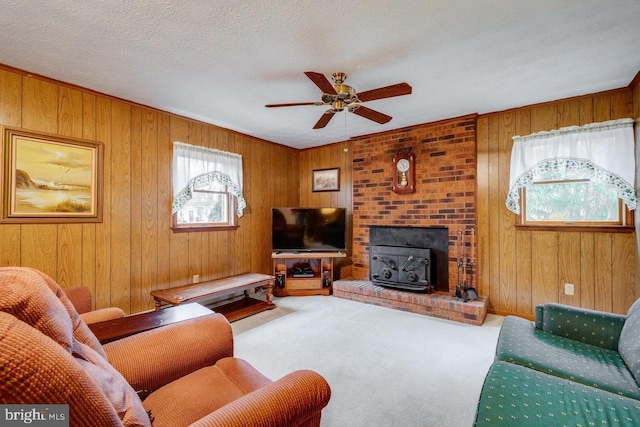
326, 179
49, 178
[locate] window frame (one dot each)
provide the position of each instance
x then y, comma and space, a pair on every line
624, 225
231, 224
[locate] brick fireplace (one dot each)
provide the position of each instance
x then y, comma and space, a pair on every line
445, 196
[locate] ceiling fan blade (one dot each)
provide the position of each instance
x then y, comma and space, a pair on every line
324, 119
322, 82
293, 104
385, 92
370, 114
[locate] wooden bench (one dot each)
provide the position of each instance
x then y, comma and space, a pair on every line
222, 287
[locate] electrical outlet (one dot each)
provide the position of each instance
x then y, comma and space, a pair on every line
196, 278
568, 288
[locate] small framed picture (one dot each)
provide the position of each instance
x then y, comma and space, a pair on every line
50, 178
326, 179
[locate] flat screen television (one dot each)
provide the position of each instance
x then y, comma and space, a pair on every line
308, 229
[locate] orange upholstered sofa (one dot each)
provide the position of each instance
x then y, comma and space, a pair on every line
82, 300
186, 370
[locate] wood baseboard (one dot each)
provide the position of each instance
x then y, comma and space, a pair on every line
531, 317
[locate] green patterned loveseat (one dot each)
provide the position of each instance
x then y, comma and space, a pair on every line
573, 367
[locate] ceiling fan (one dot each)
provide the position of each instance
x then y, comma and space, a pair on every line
340, 96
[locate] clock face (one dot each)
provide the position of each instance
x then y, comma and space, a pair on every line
403, 165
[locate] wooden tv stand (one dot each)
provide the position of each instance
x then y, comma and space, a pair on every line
303, 273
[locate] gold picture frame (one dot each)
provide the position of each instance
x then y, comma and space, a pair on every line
49, 178
325, 180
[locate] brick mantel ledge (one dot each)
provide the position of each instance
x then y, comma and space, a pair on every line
438, 304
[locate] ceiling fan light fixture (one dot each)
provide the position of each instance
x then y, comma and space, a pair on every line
328, 98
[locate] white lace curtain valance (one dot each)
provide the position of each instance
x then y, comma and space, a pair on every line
196, 167
600, 152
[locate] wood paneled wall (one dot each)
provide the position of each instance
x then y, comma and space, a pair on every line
330, 156
133, 250
519, 269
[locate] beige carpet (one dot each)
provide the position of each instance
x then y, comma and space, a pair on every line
385, 367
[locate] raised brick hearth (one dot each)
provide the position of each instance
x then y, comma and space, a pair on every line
437, 304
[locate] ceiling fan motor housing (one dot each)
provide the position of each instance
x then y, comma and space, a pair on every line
344, 93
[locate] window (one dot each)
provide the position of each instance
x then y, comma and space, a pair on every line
210, 206
572, 203
207, 187
574, 177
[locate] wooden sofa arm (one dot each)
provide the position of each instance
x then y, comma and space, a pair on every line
153, 358
295, 399
598, 328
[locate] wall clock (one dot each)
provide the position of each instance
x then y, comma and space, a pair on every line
404, 175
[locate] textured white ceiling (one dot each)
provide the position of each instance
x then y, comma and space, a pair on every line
222, 61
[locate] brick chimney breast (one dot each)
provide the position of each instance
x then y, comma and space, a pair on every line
445, 169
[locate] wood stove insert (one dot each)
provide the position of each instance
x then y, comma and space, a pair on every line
411, 258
